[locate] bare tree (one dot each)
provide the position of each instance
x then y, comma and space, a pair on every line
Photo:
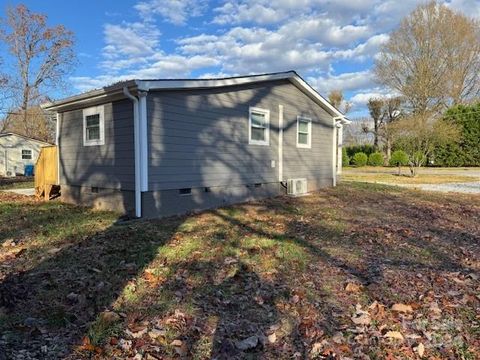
354, 133
40, 123
383, 112
419, 134
41, 57
433, 59
338, 101
375, 107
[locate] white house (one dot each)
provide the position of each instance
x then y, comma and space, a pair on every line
17, 151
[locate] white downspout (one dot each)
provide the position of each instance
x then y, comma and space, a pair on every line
280, 143
136, 137
57, 142
339, 148
334, 154
337, 141
143, 130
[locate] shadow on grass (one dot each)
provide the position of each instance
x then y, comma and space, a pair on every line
70, 274
226, 275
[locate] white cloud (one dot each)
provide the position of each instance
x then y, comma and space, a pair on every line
315, 37
176, 12
130, 39
345, 82
237, 13
469, 7
368, 49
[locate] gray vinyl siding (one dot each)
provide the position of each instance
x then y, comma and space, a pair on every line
199, 137
108, 166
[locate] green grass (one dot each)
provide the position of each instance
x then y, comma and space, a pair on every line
217, 277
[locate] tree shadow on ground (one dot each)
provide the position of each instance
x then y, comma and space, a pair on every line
215, 279
53, 302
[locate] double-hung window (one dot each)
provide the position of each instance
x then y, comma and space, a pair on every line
26, 154
304, 132
258, 126
93, 126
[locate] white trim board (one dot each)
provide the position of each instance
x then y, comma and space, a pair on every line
308, 145
94, 110
265, 112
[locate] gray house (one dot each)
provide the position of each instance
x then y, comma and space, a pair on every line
162, 147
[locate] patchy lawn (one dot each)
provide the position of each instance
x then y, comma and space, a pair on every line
404, 179
19, 182
362, 271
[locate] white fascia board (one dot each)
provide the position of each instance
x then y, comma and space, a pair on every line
342, 120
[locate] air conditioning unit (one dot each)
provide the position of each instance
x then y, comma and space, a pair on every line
296, 186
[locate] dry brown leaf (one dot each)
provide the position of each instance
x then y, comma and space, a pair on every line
109, 317
361, 319
272, 338
352, 288
420, 349
402, 308
394, 335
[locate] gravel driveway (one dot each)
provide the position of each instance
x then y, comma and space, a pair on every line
467, 187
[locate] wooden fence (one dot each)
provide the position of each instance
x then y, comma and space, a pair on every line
46, 172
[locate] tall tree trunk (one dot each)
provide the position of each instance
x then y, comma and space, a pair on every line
388, 149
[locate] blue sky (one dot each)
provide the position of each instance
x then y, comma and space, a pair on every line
331, 43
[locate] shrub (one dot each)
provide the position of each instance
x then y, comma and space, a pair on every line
352, 150
465, 151
375, 159
399, 158
360, 159
345, 158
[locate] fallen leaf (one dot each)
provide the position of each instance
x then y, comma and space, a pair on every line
230, 260
361, 319
136, 331
420, 349
435, 308
272, 338
109, 317
176, 342
180, 347
402, 308
352, 288
156, 333
394, 335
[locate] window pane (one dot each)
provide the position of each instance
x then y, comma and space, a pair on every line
93, 120
303, 139
303, 126
258, 134
26, 154
93, 133
258, 119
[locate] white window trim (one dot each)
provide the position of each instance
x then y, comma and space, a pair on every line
265, 142
309, 144
93, 111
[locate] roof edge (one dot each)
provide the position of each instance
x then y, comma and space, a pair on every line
25, 137
166, 84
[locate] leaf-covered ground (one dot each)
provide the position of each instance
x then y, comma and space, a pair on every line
361, 271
